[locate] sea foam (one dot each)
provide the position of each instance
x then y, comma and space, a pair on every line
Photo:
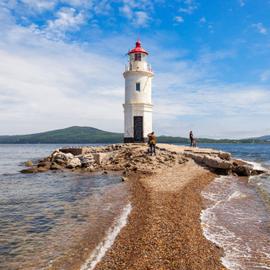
108, 241
236, 220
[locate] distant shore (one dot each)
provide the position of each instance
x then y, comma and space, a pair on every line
90, 135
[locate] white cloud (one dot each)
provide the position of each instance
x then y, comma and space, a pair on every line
260, 28
127, 11
40, 5
67, 19
46, 84
202, 20
189, 6
78, 3
137, 12
141, 18
179, 19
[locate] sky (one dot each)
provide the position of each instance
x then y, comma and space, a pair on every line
61, 64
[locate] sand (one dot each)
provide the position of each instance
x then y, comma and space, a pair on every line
163, 230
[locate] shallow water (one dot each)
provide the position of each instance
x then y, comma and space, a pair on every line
237, 214
44, 217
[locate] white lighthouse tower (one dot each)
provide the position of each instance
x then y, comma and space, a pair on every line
138, 96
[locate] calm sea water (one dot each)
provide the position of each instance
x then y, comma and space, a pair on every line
237, 214
46, 217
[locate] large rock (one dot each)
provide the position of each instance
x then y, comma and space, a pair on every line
29, 170
86, 162
196, 157
54, 166
29, 163
62, 156
73, 151
242, 170
74, 163
225, 155
102, 157
60, 161
217, 163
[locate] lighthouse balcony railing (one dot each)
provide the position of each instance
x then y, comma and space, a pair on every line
131, 67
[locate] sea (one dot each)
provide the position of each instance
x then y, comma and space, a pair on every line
49, 219
46, 219
236, 217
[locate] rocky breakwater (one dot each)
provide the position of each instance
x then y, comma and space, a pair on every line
120, 157
135, 158
218, 162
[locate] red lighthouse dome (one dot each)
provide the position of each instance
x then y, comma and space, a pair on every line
138, 48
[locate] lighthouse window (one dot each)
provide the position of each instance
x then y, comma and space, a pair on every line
138, 57
138, 86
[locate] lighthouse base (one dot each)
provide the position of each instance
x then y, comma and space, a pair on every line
132, 140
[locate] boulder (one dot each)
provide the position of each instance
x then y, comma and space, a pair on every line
225, 155
217, 163
28, 163
62, 156
59, 161
74, 151
102, 157
242, 170
29, 170
54, 166
196, 157
86, 162
74, 163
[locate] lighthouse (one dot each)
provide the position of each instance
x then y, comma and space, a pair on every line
138, 96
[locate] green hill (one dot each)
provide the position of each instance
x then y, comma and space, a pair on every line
92, 135
67, 135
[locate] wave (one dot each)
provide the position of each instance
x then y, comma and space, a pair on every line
237, 221
108, 241
255, 165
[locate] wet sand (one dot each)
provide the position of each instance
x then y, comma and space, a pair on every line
163, 230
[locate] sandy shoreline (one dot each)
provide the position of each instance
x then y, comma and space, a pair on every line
163, 230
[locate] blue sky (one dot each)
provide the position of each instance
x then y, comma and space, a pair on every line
61, 64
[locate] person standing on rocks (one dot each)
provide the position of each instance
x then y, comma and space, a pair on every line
192, 140
152, 141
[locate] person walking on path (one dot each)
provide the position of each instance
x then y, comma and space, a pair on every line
152, 141
192, 140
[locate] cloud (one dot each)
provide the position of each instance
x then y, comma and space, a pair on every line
67, 19
39, 5
137, 12
141, 18
260, 28
189, 6
46, 84
179, 19
202, 20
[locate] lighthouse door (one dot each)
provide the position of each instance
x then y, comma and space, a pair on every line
138, 128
